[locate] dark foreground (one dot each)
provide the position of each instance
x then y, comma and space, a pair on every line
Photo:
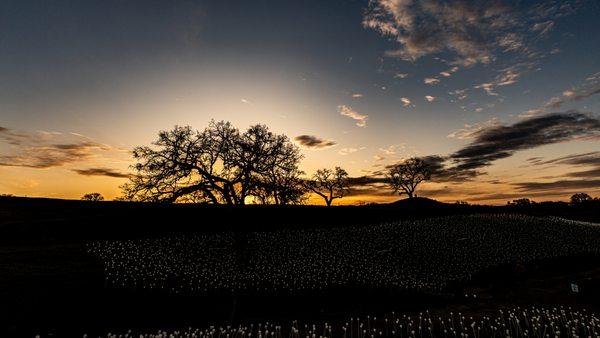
51, 284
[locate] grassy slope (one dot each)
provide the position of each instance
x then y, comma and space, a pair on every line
49, 282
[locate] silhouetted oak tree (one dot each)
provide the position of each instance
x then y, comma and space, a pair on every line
329, 184
404, 177
218, 165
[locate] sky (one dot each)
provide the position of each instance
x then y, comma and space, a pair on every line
503, 96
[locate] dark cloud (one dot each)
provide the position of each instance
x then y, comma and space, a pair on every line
592, 173
101, 172
310, 141
497, 142
558, 185
441, 171
591, 158
509, 196
365, 180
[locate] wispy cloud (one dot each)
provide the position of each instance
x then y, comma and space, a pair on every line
393, 149
101, 172
562, 185
405, 101
347, 151
361, 119
471, 30
429, 98
506, 77
471, 130
460, 94
43, 150
431, 80
589, 87
589, 161
313, 142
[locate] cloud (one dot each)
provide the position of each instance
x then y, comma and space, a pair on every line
101, 172
475, 197
405, 101
506, 77
378, 158
400, 75
393, 149
590, 159
431, 80
313, 142
54, 155
562, 185
43, 150
429, 98
468, 29
357, 95
471, 130
449, 72
576, 94
590, 87
543, 27
459, 94
349, 112
501, 141
591, 173
347, 151
442, 172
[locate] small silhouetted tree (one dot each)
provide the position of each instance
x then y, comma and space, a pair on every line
93, 197
521, 202
329, 184
580, 198
405, 177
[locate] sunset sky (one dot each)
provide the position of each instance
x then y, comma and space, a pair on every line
505, 95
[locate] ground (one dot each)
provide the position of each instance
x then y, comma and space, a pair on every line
51, 284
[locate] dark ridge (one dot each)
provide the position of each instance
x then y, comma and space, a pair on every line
41, 218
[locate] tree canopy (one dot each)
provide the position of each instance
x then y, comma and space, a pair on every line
218, 165
404, 177
329, 184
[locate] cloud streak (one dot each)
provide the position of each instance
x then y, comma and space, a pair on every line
361, 119
497, 142
101, 172
40, 150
